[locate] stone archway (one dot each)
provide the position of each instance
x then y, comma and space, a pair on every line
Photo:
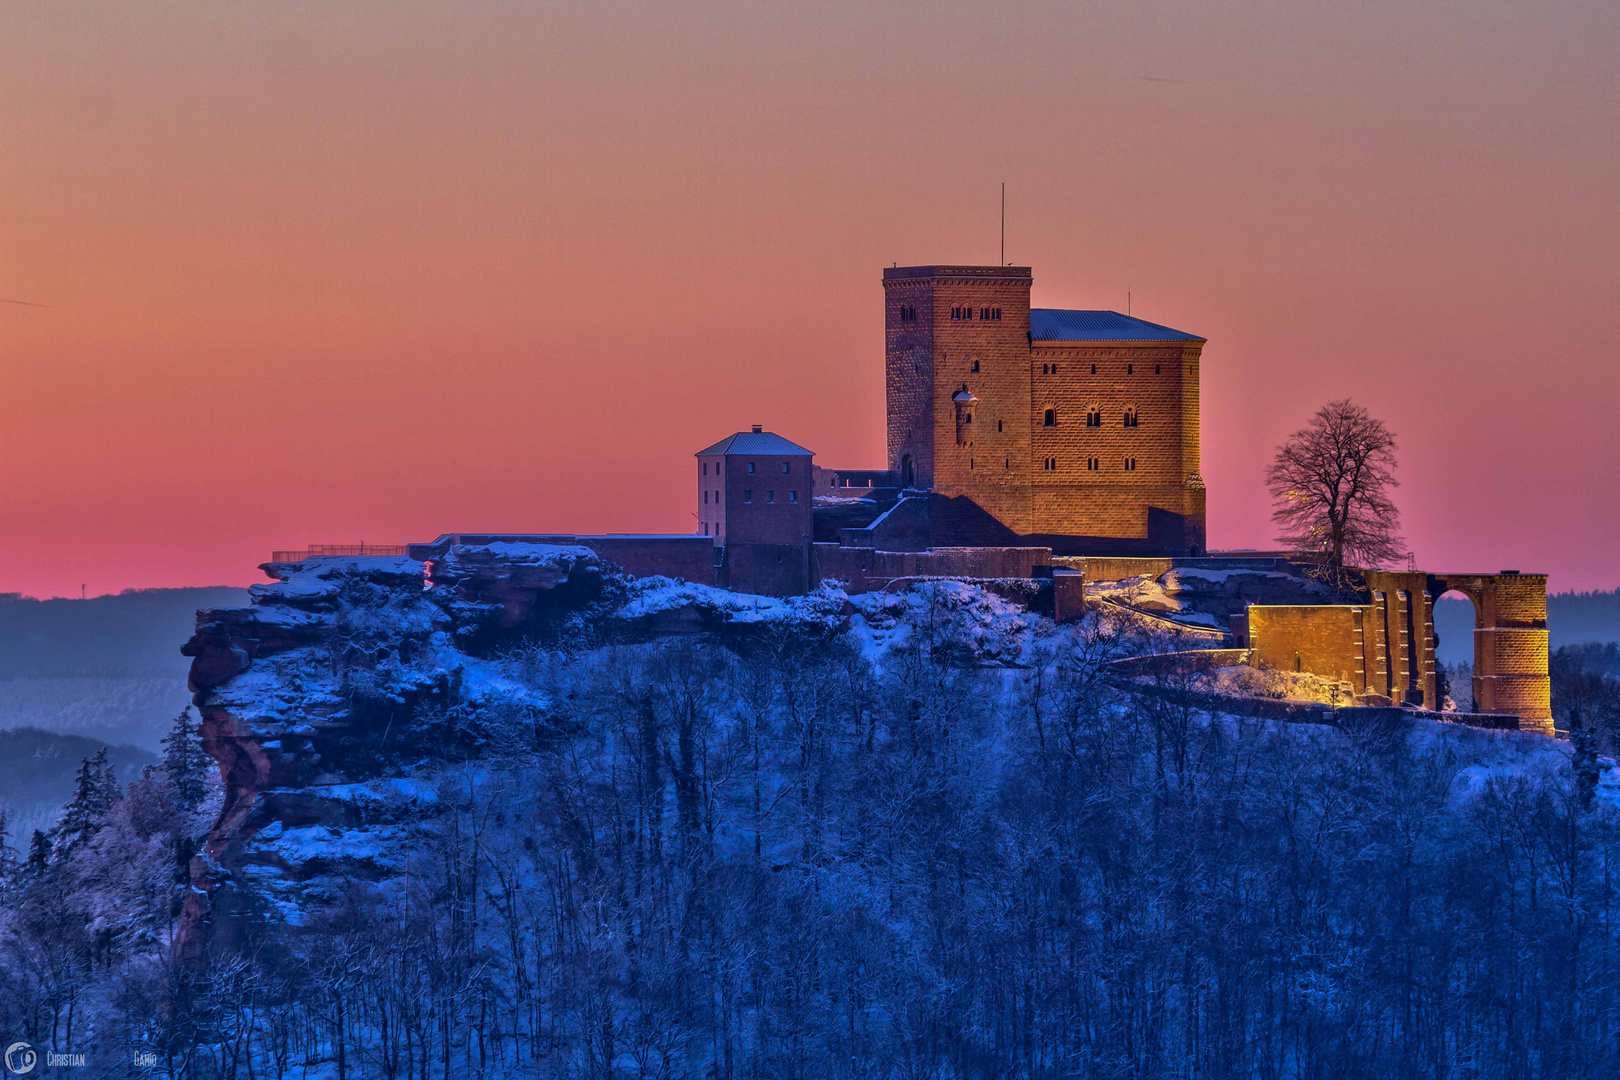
1510, 640
1510, 643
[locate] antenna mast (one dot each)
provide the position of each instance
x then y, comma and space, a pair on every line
1004, 223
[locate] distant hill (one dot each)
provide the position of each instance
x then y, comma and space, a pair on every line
39, 769
1572, 619
107, 668
136, 632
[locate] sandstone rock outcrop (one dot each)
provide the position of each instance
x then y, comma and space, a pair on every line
333, 703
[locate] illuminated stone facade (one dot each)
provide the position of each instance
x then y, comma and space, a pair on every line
1076, 430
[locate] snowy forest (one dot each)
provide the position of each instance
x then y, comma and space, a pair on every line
782, 858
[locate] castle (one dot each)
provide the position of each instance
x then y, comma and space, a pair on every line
1076, 430
1056, 445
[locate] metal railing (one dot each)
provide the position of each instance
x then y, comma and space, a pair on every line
316, 550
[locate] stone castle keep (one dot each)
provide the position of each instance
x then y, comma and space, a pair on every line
1076, 430
1056, 446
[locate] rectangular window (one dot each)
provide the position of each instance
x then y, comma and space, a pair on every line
784, 468
705, 498
748, 496
770, 496
793, 497
750, 468
705, 468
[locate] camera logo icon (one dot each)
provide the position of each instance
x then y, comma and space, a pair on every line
20, 1059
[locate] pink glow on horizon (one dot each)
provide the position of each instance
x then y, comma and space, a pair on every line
378, 272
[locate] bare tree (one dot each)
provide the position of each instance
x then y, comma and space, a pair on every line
1330, 485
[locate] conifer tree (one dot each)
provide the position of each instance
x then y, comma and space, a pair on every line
184, 763
83, 813
39, 855
108, 789
8, 855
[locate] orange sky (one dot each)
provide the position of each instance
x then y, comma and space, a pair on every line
341, 272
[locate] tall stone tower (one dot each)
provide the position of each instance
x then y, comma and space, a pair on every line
957, 369
1072, 429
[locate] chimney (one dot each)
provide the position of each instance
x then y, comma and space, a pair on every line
758, 428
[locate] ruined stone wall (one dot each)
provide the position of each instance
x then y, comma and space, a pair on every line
1068, 595
1322, 639
863, 569
690, 558
1510, 643
768, 569
1385, 647
1103, 568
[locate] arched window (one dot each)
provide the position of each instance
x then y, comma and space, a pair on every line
1049, 418
975, 365
1094, 369
1094, 417
1131, 416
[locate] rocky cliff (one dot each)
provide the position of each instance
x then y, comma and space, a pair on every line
333, 702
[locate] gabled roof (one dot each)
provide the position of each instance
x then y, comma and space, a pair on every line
1058, 324
763, 443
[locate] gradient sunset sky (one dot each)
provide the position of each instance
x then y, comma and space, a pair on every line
331, 272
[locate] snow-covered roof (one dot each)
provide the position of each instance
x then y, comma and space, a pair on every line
1058, 324
762, 443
